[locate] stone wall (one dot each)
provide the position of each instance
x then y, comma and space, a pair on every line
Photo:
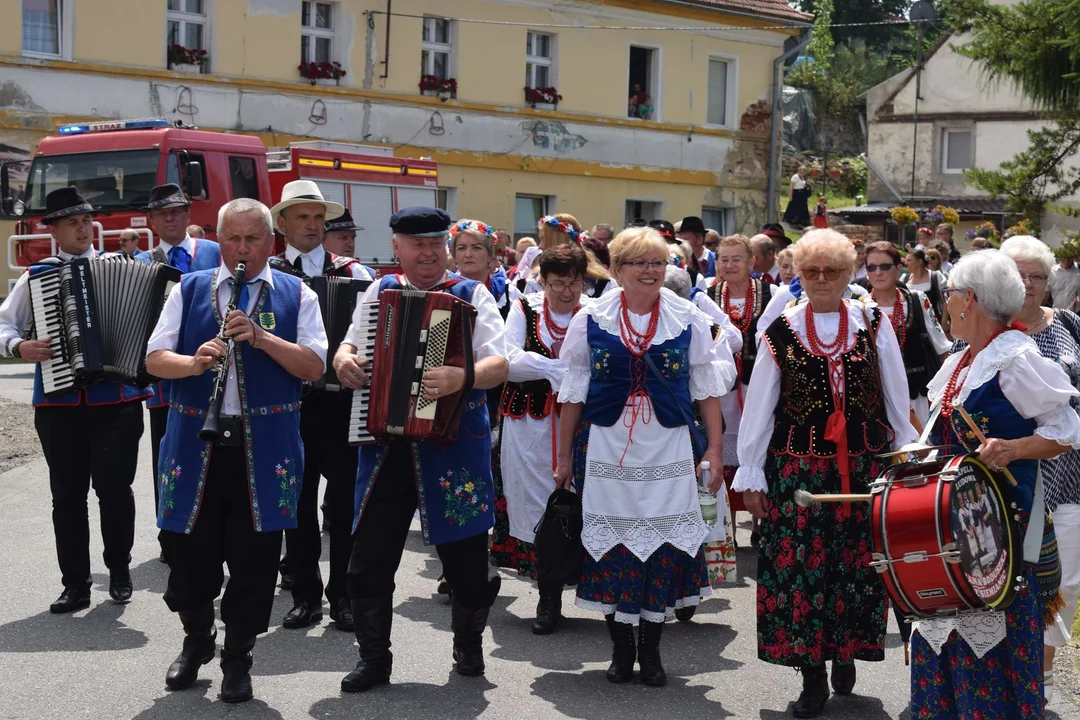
869, 233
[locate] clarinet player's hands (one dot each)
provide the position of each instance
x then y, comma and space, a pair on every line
207, 356
241, 328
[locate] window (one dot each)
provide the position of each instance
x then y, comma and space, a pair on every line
955, 150
647, 210
110, 180
176, 172
41, 31
187, 24
644, 86
437, 47
527, 210
538, 53
316, 32
245, 181
719, 73
722, 220
446, 199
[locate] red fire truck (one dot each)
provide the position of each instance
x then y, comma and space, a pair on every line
115, 164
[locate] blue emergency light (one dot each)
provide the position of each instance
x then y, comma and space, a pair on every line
112, 125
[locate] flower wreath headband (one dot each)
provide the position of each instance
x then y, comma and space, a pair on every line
474, 225
560, 225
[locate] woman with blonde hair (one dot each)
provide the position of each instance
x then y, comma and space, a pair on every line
786, 260
562, 229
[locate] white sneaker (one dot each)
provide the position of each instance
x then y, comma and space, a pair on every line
1048, 685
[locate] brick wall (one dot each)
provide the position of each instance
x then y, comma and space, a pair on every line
869, 233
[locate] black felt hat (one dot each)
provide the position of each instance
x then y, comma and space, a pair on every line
664, 228
692, 224
167, 196
419, 221
345, 222
65, 202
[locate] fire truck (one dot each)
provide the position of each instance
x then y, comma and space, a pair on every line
115, 164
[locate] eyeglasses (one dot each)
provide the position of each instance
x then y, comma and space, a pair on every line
1033, 279
949, 292
812, 273
559, 287
883, 267
640, 265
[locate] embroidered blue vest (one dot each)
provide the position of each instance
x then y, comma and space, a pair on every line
270, 404
102, 393
453, 484
612, 371
207, 256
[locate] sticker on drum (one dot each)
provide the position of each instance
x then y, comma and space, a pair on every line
979, 527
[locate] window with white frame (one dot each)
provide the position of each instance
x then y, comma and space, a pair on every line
41, 30
437, 47
722, 220
317, 32
956, 150
187, 24
719, 87
539, 50
528, 209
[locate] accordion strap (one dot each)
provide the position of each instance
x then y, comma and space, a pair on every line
158, 255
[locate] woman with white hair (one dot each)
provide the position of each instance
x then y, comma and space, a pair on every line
829, 394
1021, 402
1056, 333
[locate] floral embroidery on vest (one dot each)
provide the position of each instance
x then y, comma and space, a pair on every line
600, 359
290, 487
462, 495
674, 360
167, 485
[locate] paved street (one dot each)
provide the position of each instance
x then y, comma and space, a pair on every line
110, 661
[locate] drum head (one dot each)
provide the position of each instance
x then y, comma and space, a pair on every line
984, 533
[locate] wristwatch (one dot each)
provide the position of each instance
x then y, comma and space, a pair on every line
15, 349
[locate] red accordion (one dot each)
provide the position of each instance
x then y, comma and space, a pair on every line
415, 331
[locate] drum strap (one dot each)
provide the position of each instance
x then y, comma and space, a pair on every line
1034, 536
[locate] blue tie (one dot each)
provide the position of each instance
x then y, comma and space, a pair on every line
179, 259
242, 303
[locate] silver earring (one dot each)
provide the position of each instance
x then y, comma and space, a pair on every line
963, 316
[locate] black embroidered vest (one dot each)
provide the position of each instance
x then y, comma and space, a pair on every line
920, 358
532, 396
762, 294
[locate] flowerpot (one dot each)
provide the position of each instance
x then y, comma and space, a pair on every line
191, 69
327, 81
544, 106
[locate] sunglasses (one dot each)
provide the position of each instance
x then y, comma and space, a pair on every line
883, 267
812, 273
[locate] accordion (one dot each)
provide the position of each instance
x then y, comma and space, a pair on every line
337, 300
99, 314
404, 334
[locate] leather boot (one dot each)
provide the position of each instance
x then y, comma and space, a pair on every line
652, 671
623, 652
843, 677
468, 626
372, 618
815, 692
548, 610
200, 636
236, 667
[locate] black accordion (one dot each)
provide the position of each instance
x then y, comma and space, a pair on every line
99, 314
338, 297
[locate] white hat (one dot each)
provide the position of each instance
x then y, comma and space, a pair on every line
298, 192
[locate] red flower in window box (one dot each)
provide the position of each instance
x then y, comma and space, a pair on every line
547, 95
445, 88
180, 55
313, 71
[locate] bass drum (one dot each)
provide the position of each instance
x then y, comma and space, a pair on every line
946, 537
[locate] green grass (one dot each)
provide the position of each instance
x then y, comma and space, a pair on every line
1076, 631
12, 360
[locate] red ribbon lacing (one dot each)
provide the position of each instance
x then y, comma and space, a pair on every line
637, 343
836, 426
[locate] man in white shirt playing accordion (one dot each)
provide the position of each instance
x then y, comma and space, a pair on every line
88, 435
452, 484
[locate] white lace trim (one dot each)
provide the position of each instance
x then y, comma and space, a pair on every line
994, 358
1060, 426
675, 314
647, 615
708, 380
749, 478
575, 386
983, 631
642, 536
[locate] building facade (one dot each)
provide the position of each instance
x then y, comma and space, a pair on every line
694, 141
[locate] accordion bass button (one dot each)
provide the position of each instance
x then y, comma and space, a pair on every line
227, 433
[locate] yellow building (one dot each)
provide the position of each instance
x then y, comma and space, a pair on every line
694, 141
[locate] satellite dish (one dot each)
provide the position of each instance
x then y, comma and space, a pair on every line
922, 11
790, 44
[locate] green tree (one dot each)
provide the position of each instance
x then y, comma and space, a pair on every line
877, 37
821, 43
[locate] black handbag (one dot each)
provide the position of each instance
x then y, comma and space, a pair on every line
559, 558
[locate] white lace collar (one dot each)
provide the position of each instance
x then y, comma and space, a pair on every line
994, 358
675, 314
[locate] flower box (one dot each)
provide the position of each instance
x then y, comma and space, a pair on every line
542, 98
327, 81
435, 86
316, 73
186, 68
187, 60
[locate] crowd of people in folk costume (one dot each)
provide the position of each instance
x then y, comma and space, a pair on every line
615, 364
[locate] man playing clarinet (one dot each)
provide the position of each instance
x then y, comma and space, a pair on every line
227, 501
453, 483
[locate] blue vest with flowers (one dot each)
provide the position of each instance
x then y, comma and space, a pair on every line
454, 485
270, 406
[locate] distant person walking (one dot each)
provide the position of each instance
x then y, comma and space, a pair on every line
797, 213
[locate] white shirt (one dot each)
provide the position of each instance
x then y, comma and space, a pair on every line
488, 338
313, 263
797, 183
1064, 286
729, 334
525, 366
774, 274
16, 313
309, 325
188, 244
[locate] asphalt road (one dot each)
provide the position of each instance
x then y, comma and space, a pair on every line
110, 661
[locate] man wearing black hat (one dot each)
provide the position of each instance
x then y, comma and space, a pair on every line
340, 238
452, 484
89, 436
775, 231
692, 230
169, 218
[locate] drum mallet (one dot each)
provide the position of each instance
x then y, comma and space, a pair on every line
982, 439
806, 499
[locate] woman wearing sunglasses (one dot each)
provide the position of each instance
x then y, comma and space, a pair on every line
920, 277
829, 393
637, 359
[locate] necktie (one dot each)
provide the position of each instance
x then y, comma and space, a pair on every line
179, 259
298, 263
242, 303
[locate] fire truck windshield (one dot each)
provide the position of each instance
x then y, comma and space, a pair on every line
109, 180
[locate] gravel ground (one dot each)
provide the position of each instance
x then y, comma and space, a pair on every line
18, 439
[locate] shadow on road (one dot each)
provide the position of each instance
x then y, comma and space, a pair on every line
199, 702
285, 652
460, 697
590, 696
96, 629
852, 706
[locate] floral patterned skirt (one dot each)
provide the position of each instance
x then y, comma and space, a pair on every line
818, 598
507, 551
1004, 684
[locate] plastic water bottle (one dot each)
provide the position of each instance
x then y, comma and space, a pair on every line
706, 499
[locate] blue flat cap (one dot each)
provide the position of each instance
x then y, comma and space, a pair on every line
419, 221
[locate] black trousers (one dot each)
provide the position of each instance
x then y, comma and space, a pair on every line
224, 534
158, 418
384, 527
88, 445
324, 428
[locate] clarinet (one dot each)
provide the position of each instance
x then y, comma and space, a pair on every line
209, 431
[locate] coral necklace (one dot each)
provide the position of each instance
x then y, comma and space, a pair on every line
948, 398
897, 321
558, 332
816, 345
637, 343
740, 318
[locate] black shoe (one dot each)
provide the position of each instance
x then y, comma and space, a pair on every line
120, 587
366, 676
373, 618
302, 615
70, 600
341, 614
843, 678
198, 650
325, 517
755, 539
815, 692
623, 652
468, 627
652, 670
548, 610
444, 587
236, 669
685, 614
162, 559
287, 578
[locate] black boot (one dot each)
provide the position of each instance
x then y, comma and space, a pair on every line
372, 618
623, 652
815, 692
652, 671
843, 678
685, 614
548, 610
236, 667
198, 650
468, 626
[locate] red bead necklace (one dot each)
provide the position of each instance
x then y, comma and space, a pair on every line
558, 333
740, 318
899, 325
816, 345
951, 390
637, 343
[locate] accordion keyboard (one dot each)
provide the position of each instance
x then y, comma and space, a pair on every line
56, 373
365, 350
